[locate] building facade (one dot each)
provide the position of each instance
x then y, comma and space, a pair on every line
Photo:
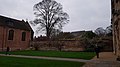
115, 6
14, 34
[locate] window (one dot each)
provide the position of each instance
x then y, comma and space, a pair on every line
117, 1
23, 36
11, 35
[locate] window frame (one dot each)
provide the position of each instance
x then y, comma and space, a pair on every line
23, 37
11, 35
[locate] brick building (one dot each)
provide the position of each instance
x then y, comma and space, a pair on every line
14, 33
116, 26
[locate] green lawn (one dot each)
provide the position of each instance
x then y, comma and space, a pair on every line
25, 62
80, 55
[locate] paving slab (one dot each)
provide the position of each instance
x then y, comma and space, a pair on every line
107, 59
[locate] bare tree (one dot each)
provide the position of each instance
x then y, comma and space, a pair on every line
109, 30
100, 31
49, 16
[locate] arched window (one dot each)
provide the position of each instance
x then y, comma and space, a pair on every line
23, 36
11, 35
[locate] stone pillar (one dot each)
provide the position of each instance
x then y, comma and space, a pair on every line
118, 45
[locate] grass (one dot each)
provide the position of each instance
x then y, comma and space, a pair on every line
25, 62
79, 55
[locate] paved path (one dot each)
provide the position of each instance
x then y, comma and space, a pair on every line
49, 58
107, 59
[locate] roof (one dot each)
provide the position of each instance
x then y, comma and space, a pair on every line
13, 23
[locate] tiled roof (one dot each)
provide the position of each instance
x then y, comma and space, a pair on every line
13, 23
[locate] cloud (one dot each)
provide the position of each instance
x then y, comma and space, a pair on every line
84, 14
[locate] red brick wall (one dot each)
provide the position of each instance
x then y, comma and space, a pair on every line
1, 37
16, 43
72, 45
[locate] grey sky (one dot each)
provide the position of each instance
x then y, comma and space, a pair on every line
84, 14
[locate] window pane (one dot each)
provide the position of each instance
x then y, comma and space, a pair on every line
11, 35
23, 36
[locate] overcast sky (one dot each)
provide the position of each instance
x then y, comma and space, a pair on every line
84, 14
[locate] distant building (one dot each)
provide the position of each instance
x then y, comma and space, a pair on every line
40, 38
14, 34
78, 33
116, 26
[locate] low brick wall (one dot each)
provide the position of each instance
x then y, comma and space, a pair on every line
64, 45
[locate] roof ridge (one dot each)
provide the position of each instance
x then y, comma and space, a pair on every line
10, 18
